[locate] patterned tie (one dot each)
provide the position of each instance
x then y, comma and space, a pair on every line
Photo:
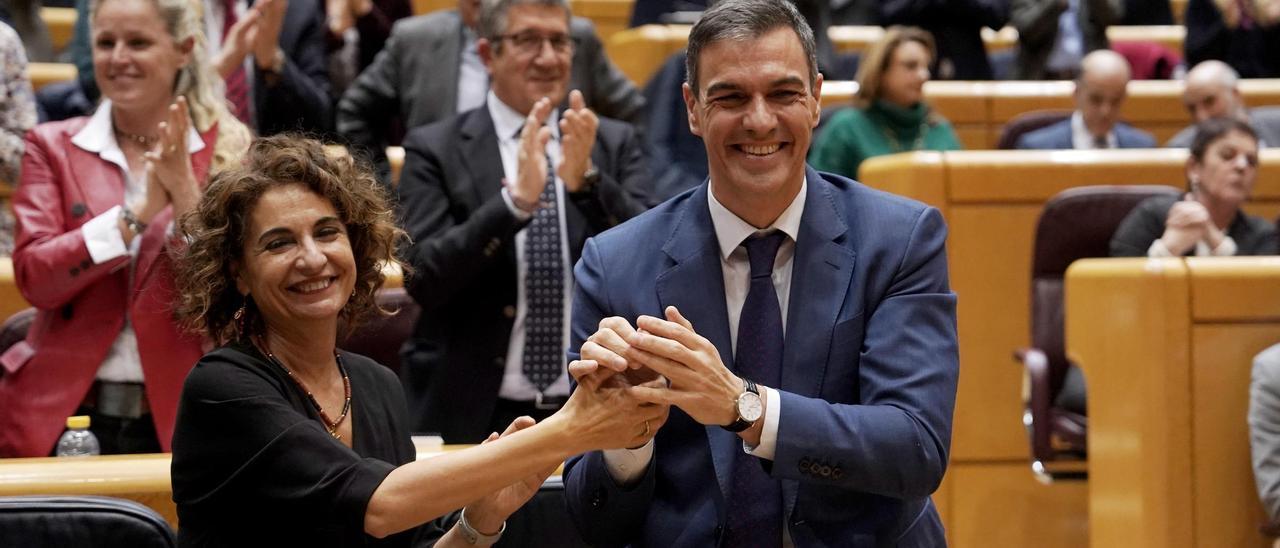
755, 507
544, 291
237, 85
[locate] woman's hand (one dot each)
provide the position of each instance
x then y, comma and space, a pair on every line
169, 163
238, 43
1188, 222
602, 412
488, 514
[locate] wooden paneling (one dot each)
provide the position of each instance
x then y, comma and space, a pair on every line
1003, 505
43, 74
61, 23
1168, 378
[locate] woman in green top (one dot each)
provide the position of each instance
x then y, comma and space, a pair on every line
889, 113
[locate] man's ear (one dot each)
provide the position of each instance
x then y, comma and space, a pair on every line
690, 105
817, 100
485, 48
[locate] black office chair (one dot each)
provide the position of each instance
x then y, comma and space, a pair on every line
81, 521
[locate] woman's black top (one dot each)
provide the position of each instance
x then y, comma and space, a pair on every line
1146, 224
254, 466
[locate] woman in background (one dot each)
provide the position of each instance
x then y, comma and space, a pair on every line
94, 207
889, 113
1208, 220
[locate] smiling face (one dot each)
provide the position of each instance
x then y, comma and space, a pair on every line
297, 264
135, 59
755, 114
1228, 170
521, 75
904, 77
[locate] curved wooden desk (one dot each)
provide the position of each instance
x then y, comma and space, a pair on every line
992, 201
1167, 346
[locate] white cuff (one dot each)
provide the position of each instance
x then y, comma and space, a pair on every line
1158, 249
769, 435
520, 214
103, 238
1226, 248
627, 465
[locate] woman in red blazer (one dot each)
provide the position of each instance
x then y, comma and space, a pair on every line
95, 206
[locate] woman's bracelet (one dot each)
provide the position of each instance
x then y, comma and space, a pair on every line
474, 537
131, 220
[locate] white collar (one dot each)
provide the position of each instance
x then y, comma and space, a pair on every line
506, 121
99, 136
731, 230
1081, 139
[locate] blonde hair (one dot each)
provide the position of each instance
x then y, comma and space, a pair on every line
877, 59
199, 81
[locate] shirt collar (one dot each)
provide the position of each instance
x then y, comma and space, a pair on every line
507, 122
1082, 139
731, 230
99, 136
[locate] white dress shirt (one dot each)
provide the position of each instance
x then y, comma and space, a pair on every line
1081, 139
473, 77
627, 465
102, 235
507, 123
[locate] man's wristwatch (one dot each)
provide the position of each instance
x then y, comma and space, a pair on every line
589, 180
749, 407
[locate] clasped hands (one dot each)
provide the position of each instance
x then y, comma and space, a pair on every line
662, 362
1189, 222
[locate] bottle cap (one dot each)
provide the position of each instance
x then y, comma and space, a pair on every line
78, 422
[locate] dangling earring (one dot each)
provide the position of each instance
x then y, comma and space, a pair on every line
239, 317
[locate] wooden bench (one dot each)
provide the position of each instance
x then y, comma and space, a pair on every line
640, 51
1166, 346
43, 74
61, 23
991, 201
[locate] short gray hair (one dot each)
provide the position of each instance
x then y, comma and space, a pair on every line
493, 15
745, 19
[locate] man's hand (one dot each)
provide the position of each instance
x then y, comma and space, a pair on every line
608, 345
531, 157
701, 385
266, 40
577, 136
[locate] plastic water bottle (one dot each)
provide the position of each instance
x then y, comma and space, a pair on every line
78, 441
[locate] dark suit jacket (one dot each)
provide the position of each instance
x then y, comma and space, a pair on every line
299, 99
1058, 137
868, 374
1037, 24
415, 78
956, 25
1254, 52
464, 259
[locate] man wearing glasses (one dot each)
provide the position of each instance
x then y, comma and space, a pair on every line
431, 69
498, 201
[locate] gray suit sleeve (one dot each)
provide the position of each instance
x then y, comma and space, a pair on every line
1264, 427
370, 102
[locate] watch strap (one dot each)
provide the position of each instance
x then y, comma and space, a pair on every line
474, 537
739, 424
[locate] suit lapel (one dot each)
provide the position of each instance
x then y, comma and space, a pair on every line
695, 285
99, 182
821, 270
479, 155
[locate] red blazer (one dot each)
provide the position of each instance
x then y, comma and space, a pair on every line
82, 306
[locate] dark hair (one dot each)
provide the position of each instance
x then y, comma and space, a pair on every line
493, 16
1209, 131
743, 19
215, 229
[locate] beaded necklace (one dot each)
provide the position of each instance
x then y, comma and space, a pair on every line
330, 425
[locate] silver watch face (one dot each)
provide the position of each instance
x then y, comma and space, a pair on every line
750, 408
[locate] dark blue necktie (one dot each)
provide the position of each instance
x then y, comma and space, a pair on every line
544, 291
755, 507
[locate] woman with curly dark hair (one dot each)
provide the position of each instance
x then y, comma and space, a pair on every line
282, 439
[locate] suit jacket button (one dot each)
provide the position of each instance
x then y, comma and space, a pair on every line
804, 466
85, 264
75, 271
509, 311
78, 210
824, 471
837, 473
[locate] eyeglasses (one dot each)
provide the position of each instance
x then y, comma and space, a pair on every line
530, 43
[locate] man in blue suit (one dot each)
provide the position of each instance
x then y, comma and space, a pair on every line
1100, 93
803, 321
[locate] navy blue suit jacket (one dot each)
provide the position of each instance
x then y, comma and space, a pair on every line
868, 376
1058, 137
